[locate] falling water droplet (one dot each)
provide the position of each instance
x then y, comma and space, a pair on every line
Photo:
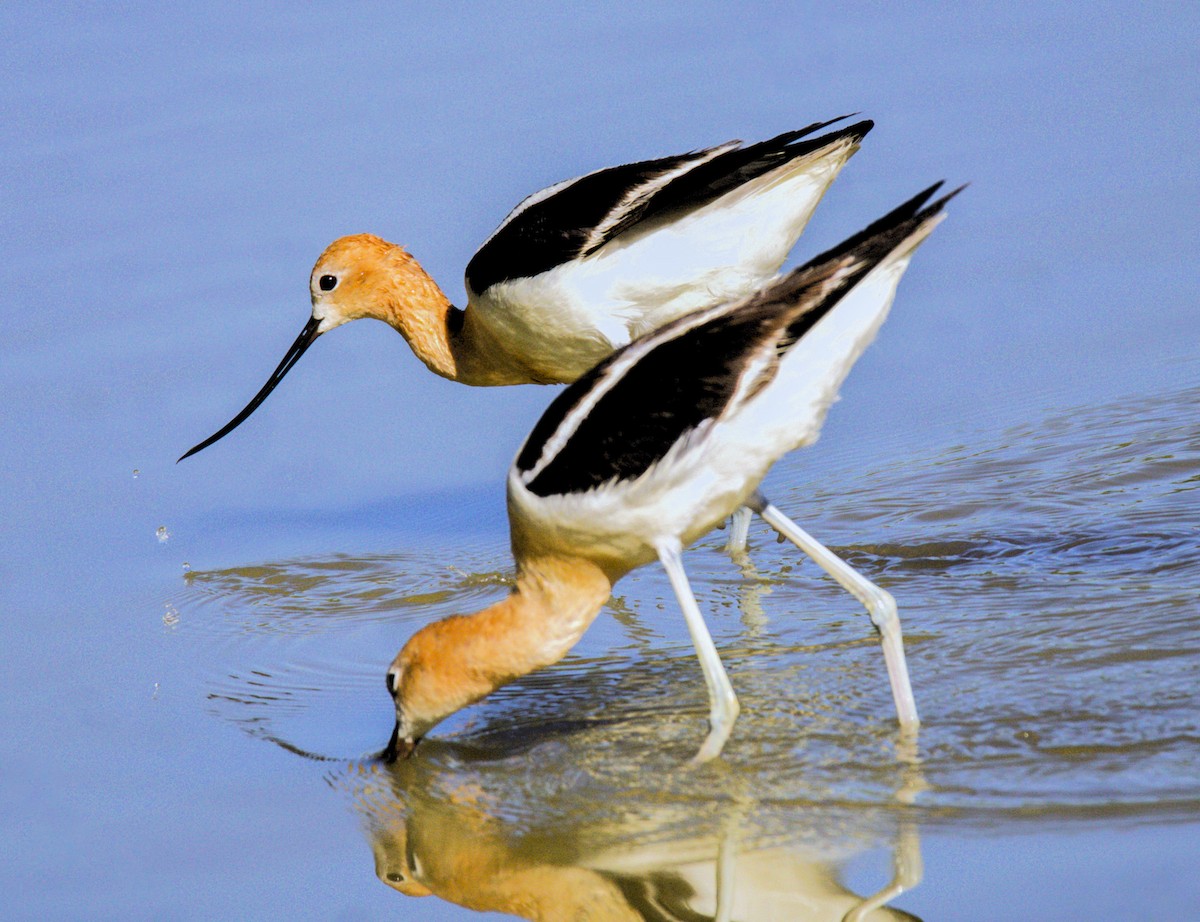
136, 473
154, 697
187, 567
162, 534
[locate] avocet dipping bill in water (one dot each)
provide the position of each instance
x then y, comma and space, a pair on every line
588, 265
649, 451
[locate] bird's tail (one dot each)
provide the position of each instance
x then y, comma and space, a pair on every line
829, 310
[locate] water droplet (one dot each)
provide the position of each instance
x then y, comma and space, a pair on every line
136, 472
162, 534
187, 567
154, 697
171, 618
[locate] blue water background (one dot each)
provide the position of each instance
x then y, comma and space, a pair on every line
170, 174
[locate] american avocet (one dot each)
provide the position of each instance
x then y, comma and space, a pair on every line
649, 451
587, 265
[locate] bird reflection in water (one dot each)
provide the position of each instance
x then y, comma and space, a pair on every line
435, 830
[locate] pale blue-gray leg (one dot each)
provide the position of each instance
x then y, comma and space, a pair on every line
739, 531
723, 703
878, 602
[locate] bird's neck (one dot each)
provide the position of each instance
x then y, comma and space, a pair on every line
418, 309
449, 341
460, 659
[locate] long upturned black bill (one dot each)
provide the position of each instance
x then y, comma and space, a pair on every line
303, 341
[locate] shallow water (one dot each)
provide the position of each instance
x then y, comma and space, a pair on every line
194, 654
1045, 580
1019, 584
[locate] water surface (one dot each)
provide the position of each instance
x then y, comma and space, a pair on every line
1015, 458
1044, 576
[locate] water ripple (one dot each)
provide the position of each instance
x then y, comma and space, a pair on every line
1046, 579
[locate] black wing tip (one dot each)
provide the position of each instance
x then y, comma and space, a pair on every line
789, 141
916, 210
858, 130
872, 244
907, 214
862, 128
855, 131
938, 205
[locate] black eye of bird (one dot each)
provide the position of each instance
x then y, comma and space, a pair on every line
391, 682
328, 282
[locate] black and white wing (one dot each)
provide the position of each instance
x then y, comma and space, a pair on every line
627, 413
573, 219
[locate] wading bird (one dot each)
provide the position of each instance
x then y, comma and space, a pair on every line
649, 451
587, 265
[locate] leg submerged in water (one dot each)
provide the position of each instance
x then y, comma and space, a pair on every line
723, 703
878, 602
739, 532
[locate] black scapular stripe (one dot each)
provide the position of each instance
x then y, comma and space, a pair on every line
675, 387
555, 230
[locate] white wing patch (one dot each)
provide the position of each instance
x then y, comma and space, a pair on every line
646, 190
